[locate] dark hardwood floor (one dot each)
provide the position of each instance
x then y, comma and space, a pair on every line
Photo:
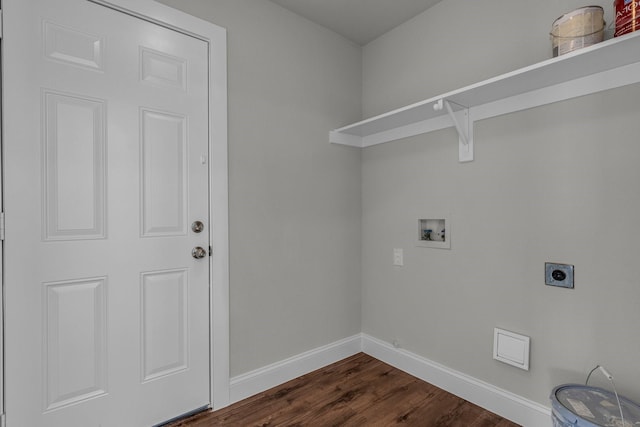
358, 391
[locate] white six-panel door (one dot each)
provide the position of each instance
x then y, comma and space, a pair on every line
106, 148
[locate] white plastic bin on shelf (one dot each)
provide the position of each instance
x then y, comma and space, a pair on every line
574, 405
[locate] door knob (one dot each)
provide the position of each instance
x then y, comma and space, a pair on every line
198, 252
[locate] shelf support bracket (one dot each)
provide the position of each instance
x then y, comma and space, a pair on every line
465, 129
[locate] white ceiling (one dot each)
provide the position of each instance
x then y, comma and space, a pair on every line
358, 20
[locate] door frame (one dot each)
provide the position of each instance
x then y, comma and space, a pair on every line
216, 39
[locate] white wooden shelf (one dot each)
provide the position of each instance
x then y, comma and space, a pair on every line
607, 65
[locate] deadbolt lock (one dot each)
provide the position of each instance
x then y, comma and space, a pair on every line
197, 226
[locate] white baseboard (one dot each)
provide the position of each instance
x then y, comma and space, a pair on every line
262, 379
504, 403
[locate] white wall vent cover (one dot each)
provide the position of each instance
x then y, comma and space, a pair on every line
511, 348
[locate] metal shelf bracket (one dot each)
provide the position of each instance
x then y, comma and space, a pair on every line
464, 126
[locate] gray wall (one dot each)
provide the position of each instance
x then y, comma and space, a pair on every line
557, 183
295, 211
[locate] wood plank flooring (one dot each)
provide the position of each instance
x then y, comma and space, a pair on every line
357, 391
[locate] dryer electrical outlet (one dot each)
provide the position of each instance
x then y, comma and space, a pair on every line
560, 275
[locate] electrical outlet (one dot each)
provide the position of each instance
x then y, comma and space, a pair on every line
398, 257
558, 275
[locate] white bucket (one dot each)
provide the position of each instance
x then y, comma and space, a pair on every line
581, 28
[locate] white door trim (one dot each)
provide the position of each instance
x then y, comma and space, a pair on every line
216, 38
